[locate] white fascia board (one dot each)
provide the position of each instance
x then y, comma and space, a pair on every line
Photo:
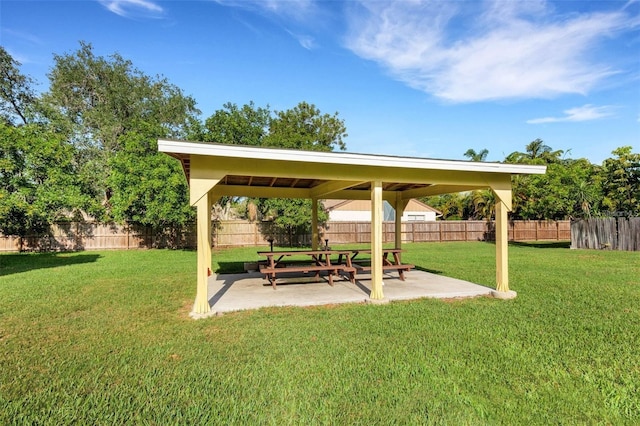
344, 158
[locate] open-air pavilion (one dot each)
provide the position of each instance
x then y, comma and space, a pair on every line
214, 171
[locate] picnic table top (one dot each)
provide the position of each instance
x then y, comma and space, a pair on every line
301, 252
323, 251
384, 250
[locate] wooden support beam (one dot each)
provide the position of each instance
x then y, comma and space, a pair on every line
315, 236
502, 245
376, 241
399, 205
203, 206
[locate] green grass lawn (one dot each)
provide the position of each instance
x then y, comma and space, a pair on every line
105, 338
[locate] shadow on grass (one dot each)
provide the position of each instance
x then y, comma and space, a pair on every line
17, 263
431, 271
236, 267
541, 244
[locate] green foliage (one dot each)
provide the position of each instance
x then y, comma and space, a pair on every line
304, 127
537, 152
291, 215
88, 145
484, 204
472, 155
104, 106
17, 98
570, 188
149, 187
106, 97
621, 182
37, 180
115, 345
237, 126
452, 206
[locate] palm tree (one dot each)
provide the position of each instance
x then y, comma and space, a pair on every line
472, 155
536, 152
484, 204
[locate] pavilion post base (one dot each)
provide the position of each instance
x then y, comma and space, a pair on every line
504, 295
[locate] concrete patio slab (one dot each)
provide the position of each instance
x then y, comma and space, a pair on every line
236, 292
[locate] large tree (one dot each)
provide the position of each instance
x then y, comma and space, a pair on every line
101, 104
303, 127
17, 97
148, 186
246, 125
481, 203
621, 182
569, 189
38, 181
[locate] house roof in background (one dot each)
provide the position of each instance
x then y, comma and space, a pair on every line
356, 205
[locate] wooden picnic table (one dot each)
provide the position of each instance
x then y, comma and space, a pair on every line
320, 261
280, 262
387, 263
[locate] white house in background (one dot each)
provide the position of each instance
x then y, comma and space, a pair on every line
360, 211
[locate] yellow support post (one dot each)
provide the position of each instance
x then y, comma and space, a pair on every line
315, 237
203, 206
502, 244
376, 241
400, 205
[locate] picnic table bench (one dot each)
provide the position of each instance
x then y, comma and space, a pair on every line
394, 264
320, 261
280, 263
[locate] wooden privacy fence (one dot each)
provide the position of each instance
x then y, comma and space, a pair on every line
243, 233
73, 236
613, 233
95, 236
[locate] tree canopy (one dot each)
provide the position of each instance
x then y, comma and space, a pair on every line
303, 127
17, 97
113, 114
87, 147
571, 188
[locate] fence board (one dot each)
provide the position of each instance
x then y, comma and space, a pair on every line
95, 236
614, 233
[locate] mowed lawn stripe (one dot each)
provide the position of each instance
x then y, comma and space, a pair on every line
105, 337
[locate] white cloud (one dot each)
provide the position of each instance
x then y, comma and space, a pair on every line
129, 8
306, 41
584, 113
21, 35
299, 10
288, 13
507, 49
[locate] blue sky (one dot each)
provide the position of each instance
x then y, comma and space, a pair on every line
417, 78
